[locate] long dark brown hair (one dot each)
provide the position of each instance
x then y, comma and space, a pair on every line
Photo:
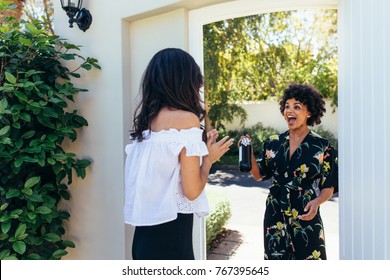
171, 79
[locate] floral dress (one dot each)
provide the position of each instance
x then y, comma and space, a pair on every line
296, 181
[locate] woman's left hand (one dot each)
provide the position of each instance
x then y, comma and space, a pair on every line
311, 209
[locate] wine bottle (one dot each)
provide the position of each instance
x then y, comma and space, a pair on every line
245, 155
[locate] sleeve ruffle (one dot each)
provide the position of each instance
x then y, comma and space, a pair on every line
191, 139
196, 149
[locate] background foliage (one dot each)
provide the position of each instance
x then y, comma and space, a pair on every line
216, 220
35, 120
254, 58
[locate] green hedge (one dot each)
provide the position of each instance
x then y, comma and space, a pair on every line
216, 220
35, 120
258, 133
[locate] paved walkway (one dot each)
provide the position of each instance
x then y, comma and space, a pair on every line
244, 239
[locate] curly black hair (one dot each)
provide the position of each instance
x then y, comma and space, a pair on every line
308, 95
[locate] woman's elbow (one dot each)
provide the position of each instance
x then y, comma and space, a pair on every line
256, 176
190, 195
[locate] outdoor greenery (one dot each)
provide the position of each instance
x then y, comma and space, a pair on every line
258, 133
216, 220
35, 122
254, 58
327, 135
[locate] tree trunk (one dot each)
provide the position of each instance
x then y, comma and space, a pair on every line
16, 13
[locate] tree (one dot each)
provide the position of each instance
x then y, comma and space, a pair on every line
40, 9
254, 58
15, 12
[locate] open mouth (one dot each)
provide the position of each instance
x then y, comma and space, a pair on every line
291, 120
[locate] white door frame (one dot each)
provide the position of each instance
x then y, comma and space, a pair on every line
199, 17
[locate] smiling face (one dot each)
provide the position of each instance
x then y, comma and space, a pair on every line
296, 114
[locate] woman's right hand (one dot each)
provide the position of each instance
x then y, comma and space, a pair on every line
242, 137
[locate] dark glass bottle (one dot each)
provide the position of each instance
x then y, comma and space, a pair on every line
245, 155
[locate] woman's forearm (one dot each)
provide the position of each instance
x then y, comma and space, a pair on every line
255, 169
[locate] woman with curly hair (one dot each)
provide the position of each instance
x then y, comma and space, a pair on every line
168, 161
304, 169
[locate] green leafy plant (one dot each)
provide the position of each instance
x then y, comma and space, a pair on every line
259, 135
35, 120
216, 220
320, 130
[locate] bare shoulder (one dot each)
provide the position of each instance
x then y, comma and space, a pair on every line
184, 119
178, 119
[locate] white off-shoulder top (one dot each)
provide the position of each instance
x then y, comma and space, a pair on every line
153, 192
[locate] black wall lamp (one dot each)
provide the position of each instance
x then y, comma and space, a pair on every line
76, 14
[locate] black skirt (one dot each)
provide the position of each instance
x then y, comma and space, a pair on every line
167, 241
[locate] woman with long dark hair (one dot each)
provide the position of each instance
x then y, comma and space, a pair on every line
169, 159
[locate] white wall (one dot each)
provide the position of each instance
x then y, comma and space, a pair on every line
96, 223
364, 129
268, 113
123, 36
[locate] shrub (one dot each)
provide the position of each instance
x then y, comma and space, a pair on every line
35, 171
258, 133
216, 220
327, 135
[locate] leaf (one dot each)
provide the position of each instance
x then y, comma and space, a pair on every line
86, 66
25, 41
68, 56
4, 253
28, 134
12, 193
42, 210
32, 181
4, 130
10, 78
21, 96
19, 247
52, 237
3, 104
83, 163
16, 212
49, 112
20, 230
4, 206
81, 120
27, 191
34, 256
26, 117
32, 215
68, 243
45, 121
5, 227
64, 194
59, 253
32, 28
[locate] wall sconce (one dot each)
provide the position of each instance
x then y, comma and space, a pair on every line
76, 14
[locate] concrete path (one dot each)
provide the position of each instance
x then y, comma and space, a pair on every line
247, 197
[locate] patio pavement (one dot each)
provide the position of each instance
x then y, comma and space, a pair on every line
244, 239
